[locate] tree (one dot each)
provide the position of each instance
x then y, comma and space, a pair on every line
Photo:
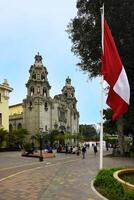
3, 136
85, 32
109, 126
52, 136
88, 132
19, 136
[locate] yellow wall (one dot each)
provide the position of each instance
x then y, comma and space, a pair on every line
15, 109
4, 107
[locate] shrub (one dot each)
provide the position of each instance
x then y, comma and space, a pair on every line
27, 146
129, 196
108, 186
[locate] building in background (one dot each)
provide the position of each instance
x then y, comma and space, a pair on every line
39, 110
4, 104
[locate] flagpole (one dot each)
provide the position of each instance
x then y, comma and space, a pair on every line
102, 80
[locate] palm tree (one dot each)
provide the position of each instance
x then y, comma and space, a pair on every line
19, 136
3, 136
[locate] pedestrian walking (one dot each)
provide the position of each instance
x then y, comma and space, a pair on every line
78, 150
83, 151
95, 149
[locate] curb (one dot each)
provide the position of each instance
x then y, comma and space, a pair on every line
96, 192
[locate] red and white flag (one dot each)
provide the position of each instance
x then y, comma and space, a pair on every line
115, 75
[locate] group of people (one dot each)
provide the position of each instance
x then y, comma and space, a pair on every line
84, 150
76, 149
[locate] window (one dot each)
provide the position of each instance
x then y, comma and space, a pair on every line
38, 90
31, 91
46, 106
6, 93
65, 94
0, 119
46, 128
62, 116
44, 92
30, 105
19, 126
34, 76
42, 77
10, 128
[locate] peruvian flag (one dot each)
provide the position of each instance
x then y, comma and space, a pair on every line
115, 75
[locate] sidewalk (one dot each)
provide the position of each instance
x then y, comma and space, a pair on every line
74, 182
66, 177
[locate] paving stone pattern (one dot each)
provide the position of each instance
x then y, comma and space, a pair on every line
62, 178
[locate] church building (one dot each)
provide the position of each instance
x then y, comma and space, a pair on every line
39, 111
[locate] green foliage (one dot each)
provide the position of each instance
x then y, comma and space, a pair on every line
112, 139
129, 177
85, 33
19, 136
3, 136
52, 136
108, 186
109, 126
27, 146
88, 132
128, 196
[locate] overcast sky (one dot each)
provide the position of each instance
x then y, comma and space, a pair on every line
31, 26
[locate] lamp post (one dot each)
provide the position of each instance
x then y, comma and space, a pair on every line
40, 139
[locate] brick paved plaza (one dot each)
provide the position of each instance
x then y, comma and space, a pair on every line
65, 177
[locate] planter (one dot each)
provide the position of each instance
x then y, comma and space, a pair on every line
37, 155
117, 175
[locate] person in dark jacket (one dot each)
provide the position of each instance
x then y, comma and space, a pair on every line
95, 149
83, 151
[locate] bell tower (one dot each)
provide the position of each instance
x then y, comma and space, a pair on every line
68, 93
38, 84
38, 95
68, 90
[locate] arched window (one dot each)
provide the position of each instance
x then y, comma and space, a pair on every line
46, 106
32, 91
38, 90
10, 128
19, 126
34, 76
45, 127
44, 92
65, 94
30, 105
42, 76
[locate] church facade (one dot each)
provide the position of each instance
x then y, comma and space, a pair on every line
39, 111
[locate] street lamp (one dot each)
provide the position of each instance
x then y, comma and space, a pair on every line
40, 140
